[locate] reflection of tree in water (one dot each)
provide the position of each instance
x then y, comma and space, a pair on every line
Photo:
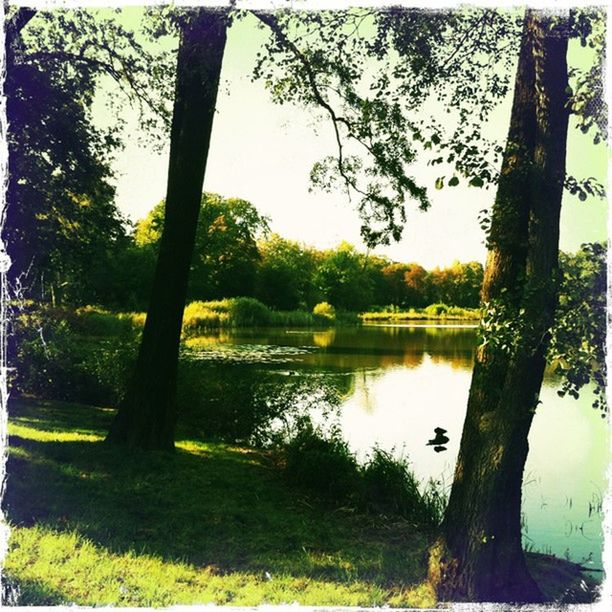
244, 402
324, 338
242, 386
382, 346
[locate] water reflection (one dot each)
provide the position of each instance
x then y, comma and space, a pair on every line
392, 386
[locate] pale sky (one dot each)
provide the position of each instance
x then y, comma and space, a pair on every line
263, 153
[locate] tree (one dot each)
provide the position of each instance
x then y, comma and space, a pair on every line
147, 414
62, 226
479, 555
61, 218
342, 279
394, 275
225, 256
285, 274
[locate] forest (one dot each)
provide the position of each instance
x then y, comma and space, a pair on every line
205, 408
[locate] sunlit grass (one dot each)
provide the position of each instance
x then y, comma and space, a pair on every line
64, 567
210, 523
434, 312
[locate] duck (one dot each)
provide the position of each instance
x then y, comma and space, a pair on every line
439, 440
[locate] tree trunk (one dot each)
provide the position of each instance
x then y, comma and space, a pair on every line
479, 556
147, 414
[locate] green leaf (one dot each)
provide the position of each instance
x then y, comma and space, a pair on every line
453, 182
440, 182
476, 182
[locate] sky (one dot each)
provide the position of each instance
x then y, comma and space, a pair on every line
263, 152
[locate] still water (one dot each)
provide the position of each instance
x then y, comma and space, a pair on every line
395, 384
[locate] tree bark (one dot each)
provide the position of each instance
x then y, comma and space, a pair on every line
479, 556
147, 414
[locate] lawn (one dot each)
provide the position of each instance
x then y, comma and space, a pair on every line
210, 523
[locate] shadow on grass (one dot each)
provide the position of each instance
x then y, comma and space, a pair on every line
208, 505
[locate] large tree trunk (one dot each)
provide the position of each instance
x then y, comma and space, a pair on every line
147, 415
479, 556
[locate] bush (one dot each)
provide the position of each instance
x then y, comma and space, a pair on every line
324, 309
322, 464
325, 465
249, 312
52, 357
436, 309
390, 486
95, 321
292, 318
200, 316
388, 483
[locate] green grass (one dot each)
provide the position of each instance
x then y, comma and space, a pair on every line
433, 312
249, 312
210, 523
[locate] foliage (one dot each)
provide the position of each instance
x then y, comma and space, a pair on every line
367, 71
588, 99
62, 225
242, 312
323, 463
578, 335
342, 279
59, 355
284, 274
390, 486
578, 341
324, 309
432, 312
226, 255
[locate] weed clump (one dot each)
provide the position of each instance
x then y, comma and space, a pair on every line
324, 465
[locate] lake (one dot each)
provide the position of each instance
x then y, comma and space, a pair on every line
391, 386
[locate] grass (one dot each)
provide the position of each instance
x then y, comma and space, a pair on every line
210, 523
323, 463
433, 312
249, 312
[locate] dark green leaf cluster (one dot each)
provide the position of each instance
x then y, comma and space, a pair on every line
63, 229
578, 341
587, 83
225, 255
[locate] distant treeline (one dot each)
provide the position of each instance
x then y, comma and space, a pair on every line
235, 255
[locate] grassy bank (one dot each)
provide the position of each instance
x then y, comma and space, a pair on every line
210, 523
249, 312
433, 312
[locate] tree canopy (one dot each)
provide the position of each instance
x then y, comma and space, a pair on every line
225, 255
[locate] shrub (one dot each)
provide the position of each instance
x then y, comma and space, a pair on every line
436, 309
247, 312
389, 484
95, 321
292, 318
322, 464
324, 309
52, 357
325, 465
204, 315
